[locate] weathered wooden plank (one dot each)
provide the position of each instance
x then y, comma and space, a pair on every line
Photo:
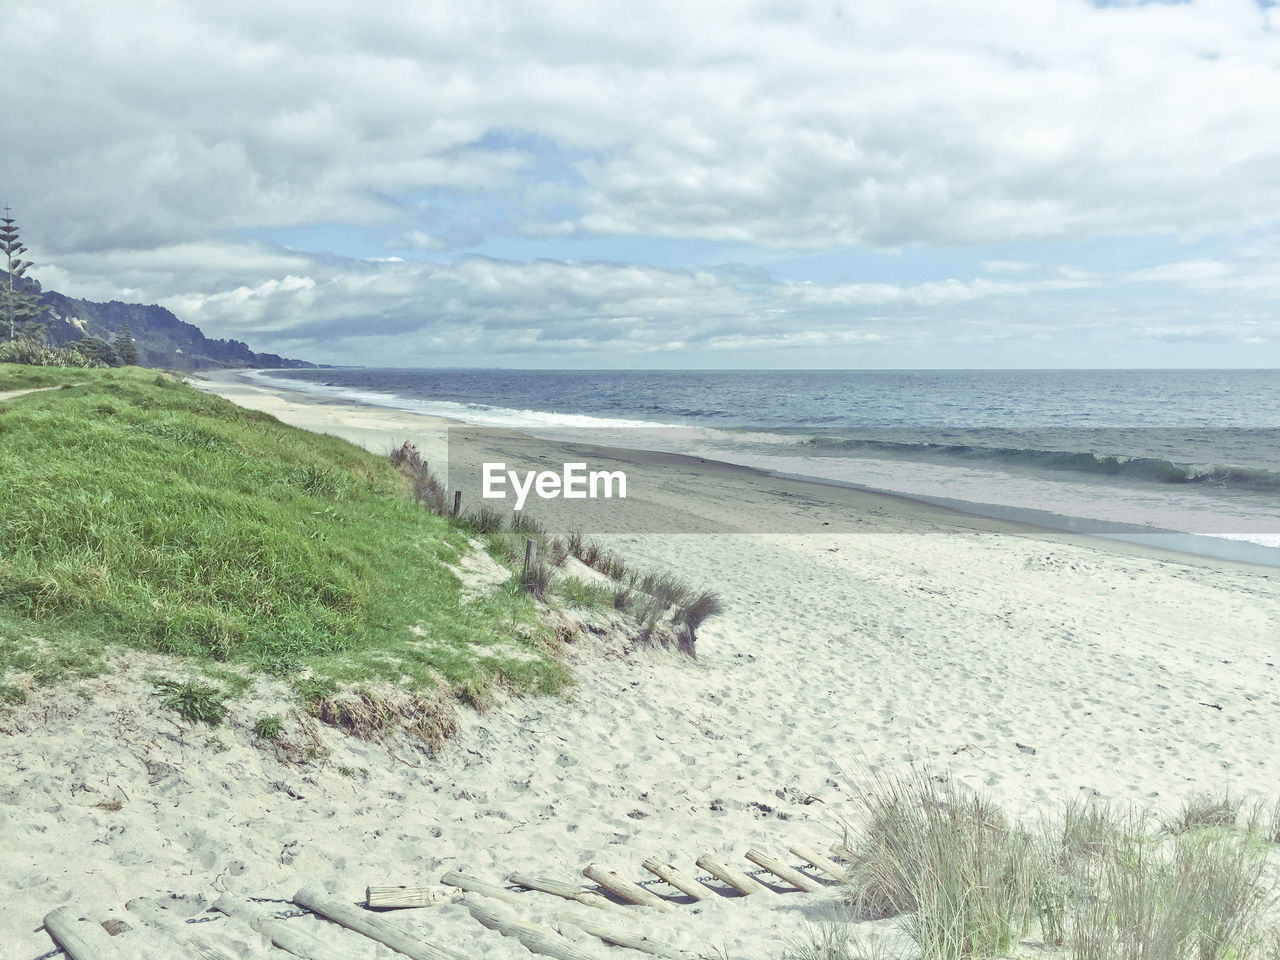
681, 881
610, 933
568, 891
400, 897
371, 925
817, 860
152, 914
783, 871
472, 885
727, 874
535, 938
625, 888
82, 939
288, 937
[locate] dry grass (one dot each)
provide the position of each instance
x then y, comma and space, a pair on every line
1098, 883
947, 862
427, 490
381, 711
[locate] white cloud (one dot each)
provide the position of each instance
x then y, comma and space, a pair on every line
153, 139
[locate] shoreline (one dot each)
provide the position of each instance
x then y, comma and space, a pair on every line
894, 509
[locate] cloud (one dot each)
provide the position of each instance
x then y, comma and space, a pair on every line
154, 140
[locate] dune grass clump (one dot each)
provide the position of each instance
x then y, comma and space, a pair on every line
136, 511
194, 701
948, 862
268, 727
1096, 883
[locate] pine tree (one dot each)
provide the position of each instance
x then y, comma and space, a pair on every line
124, 348
19, 303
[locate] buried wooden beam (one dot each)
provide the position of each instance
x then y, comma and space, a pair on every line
842, 852
681, 881
457, 503
399, 898
371, 925
472, 885
817, 860
288, 937
536, 939
781, 870
568, 891
734, 878
625, 888
624, 938
81, 939
152, 914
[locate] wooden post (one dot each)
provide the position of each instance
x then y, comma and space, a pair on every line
625, 888
826, 865
470, 884
288, 937
151, 913
624, 938
371, 926
682, 882
841, 852
536, 939
81, 939
734, 878
530, 551
780, 869
399, 898
569, 891
457, 502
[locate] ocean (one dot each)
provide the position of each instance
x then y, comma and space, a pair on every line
1184, 459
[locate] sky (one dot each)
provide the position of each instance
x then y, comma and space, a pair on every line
673, 184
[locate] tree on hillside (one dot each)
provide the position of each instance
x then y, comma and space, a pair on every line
124, 348
19, 303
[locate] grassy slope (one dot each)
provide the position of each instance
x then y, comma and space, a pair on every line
136, 511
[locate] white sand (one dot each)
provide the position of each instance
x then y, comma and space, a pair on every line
953, 644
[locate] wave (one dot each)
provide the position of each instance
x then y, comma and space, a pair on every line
1139, 468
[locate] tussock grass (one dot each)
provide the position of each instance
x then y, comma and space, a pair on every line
1095, 882
138, 512
948, 862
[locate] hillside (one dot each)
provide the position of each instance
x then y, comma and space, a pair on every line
161, 338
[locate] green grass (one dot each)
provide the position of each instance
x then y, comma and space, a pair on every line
138, 512
17, 376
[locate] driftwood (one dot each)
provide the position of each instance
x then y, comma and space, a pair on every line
625, 888
734, 878
152, 914
288, 937
681, 881
817, 860
624, 938
568, 891
371, 925
536, 939
401, 897
781, 870
81, 939
471, 885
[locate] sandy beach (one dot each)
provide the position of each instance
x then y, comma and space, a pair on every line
1035, 666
